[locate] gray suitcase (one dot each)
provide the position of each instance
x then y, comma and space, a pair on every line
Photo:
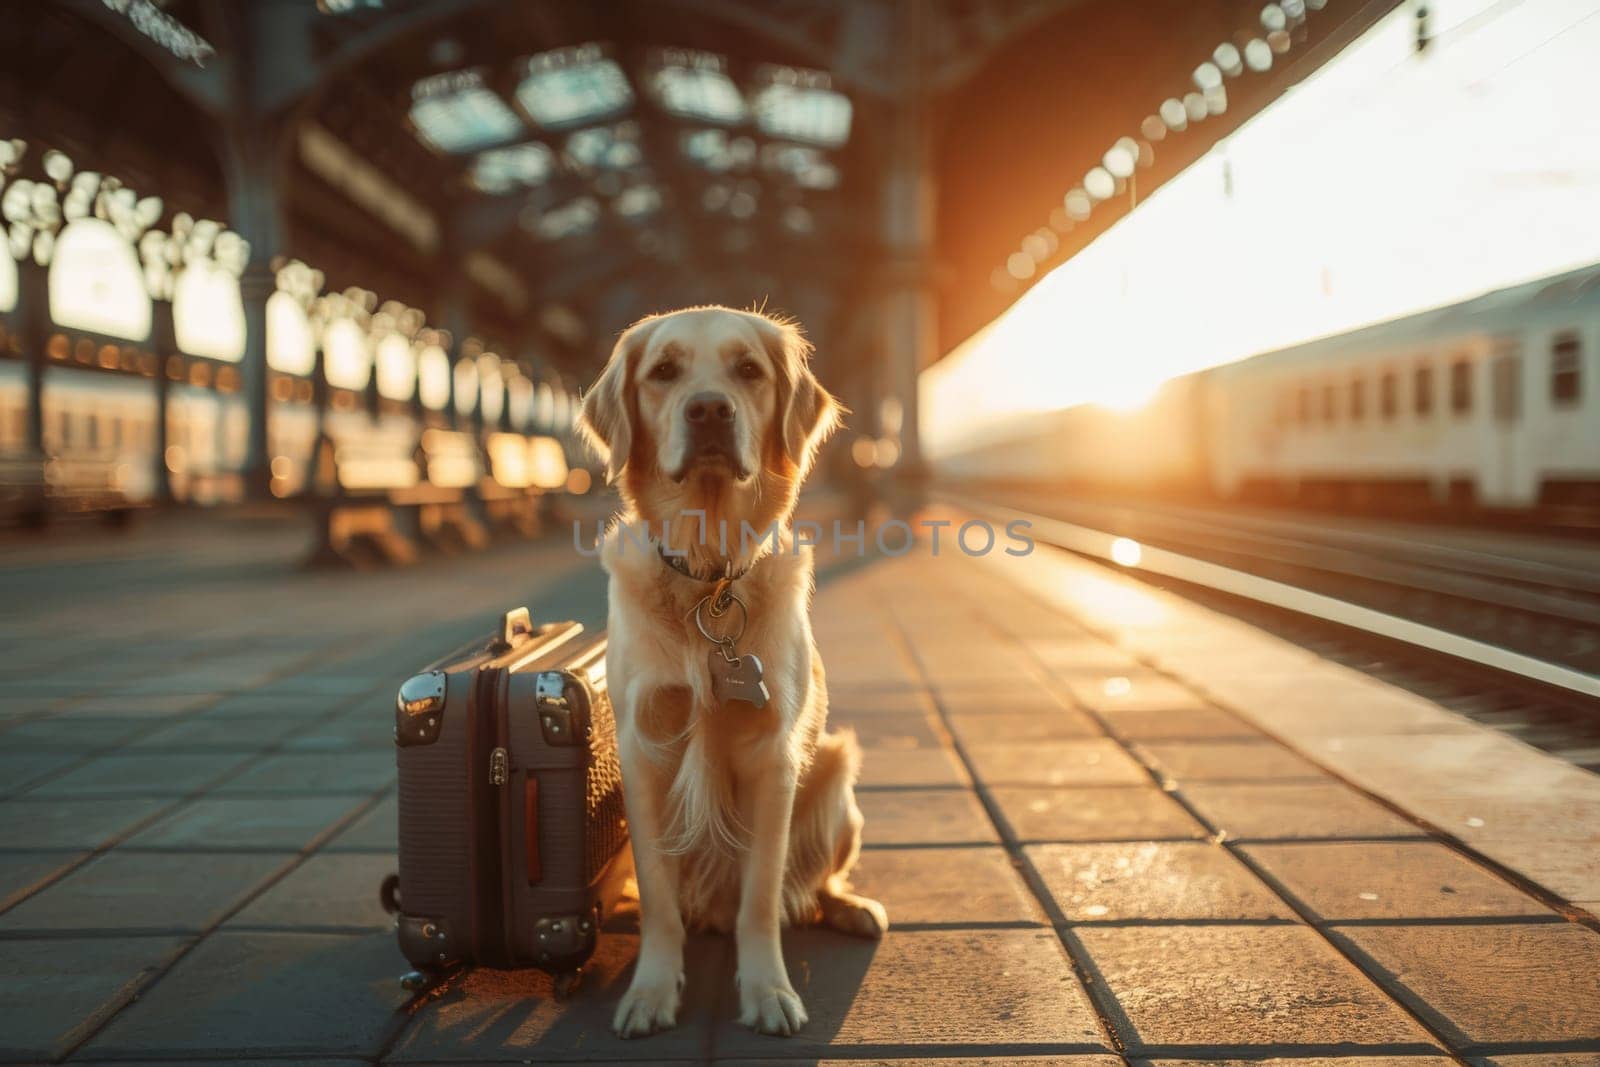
513, 840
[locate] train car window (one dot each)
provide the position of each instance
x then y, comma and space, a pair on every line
1566, 369
1422, 393
1460, 387
1330, 402
1358, 400
1389, 394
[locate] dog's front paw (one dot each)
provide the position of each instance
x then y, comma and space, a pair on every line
771, 1008
649, 1005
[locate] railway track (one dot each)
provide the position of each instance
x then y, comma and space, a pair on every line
1511, 643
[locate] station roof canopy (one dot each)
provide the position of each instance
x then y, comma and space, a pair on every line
583, 163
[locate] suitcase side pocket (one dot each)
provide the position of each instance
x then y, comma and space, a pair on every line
431, 756
558, 908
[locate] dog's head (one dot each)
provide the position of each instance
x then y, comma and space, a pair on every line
720, 399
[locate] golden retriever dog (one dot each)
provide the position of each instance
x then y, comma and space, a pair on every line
742, 809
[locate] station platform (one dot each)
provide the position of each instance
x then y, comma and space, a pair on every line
1109, 826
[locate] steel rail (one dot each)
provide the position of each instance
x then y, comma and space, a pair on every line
1097, 544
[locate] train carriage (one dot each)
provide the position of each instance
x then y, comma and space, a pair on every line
1492, 403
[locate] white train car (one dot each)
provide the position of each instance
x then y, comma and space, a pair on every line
1491, 403
1494, 402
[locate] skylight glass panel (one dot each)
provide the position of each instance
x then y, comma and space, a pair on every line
802, 164
500, 170
716, 151
572, 218
606, 147
793, 108
457, 113
573, 86
698, 93
637, 201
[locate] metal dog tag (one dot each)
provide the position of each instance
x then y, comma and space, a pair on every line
738, 679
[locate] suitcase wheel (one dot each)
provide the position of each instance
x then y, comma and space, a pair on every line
389, 894
567, 983
415, 981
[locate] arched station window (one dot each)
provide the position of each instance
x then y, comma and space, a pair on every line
397, 368
433, 378
291, 346
346, 356
466, 379
208, 312
8, 283
96, 283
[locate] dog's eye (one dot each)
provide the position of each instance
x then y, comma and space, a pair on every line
748, 369
664, 372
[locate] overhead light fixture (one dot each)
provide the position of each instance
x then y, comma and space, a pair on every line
1227, 59
1121, 157
1099, 184
1174, 115
1258, 55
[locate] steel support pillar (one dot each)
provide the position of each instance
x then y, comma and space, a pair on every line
254, 208
163, 342
908, 308
33, 322
453, 319
253, 147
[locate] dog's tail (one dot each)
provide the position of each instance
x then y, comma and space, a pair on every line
826, 806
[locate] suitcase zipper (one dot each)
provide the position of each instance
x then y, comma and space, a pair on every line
487, 850
499, 767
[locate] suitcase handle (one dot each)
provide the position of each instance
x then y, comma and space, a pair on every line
515, 628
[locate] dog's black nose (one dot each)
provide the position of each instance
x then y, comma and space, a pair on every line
709, 408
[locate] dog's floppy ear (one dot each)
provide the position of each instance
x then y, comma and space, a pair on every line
808, 413
606, 417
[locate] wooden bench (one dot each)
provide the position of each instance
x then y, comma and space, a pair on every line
350, 486
36, 488
24, 492
520, 478
376, 504
450, 460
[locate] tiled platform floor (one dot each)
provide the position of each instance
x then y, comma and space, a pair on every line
1085, 861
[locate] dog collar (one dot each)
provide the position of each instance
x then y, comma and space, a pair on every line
681, 565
